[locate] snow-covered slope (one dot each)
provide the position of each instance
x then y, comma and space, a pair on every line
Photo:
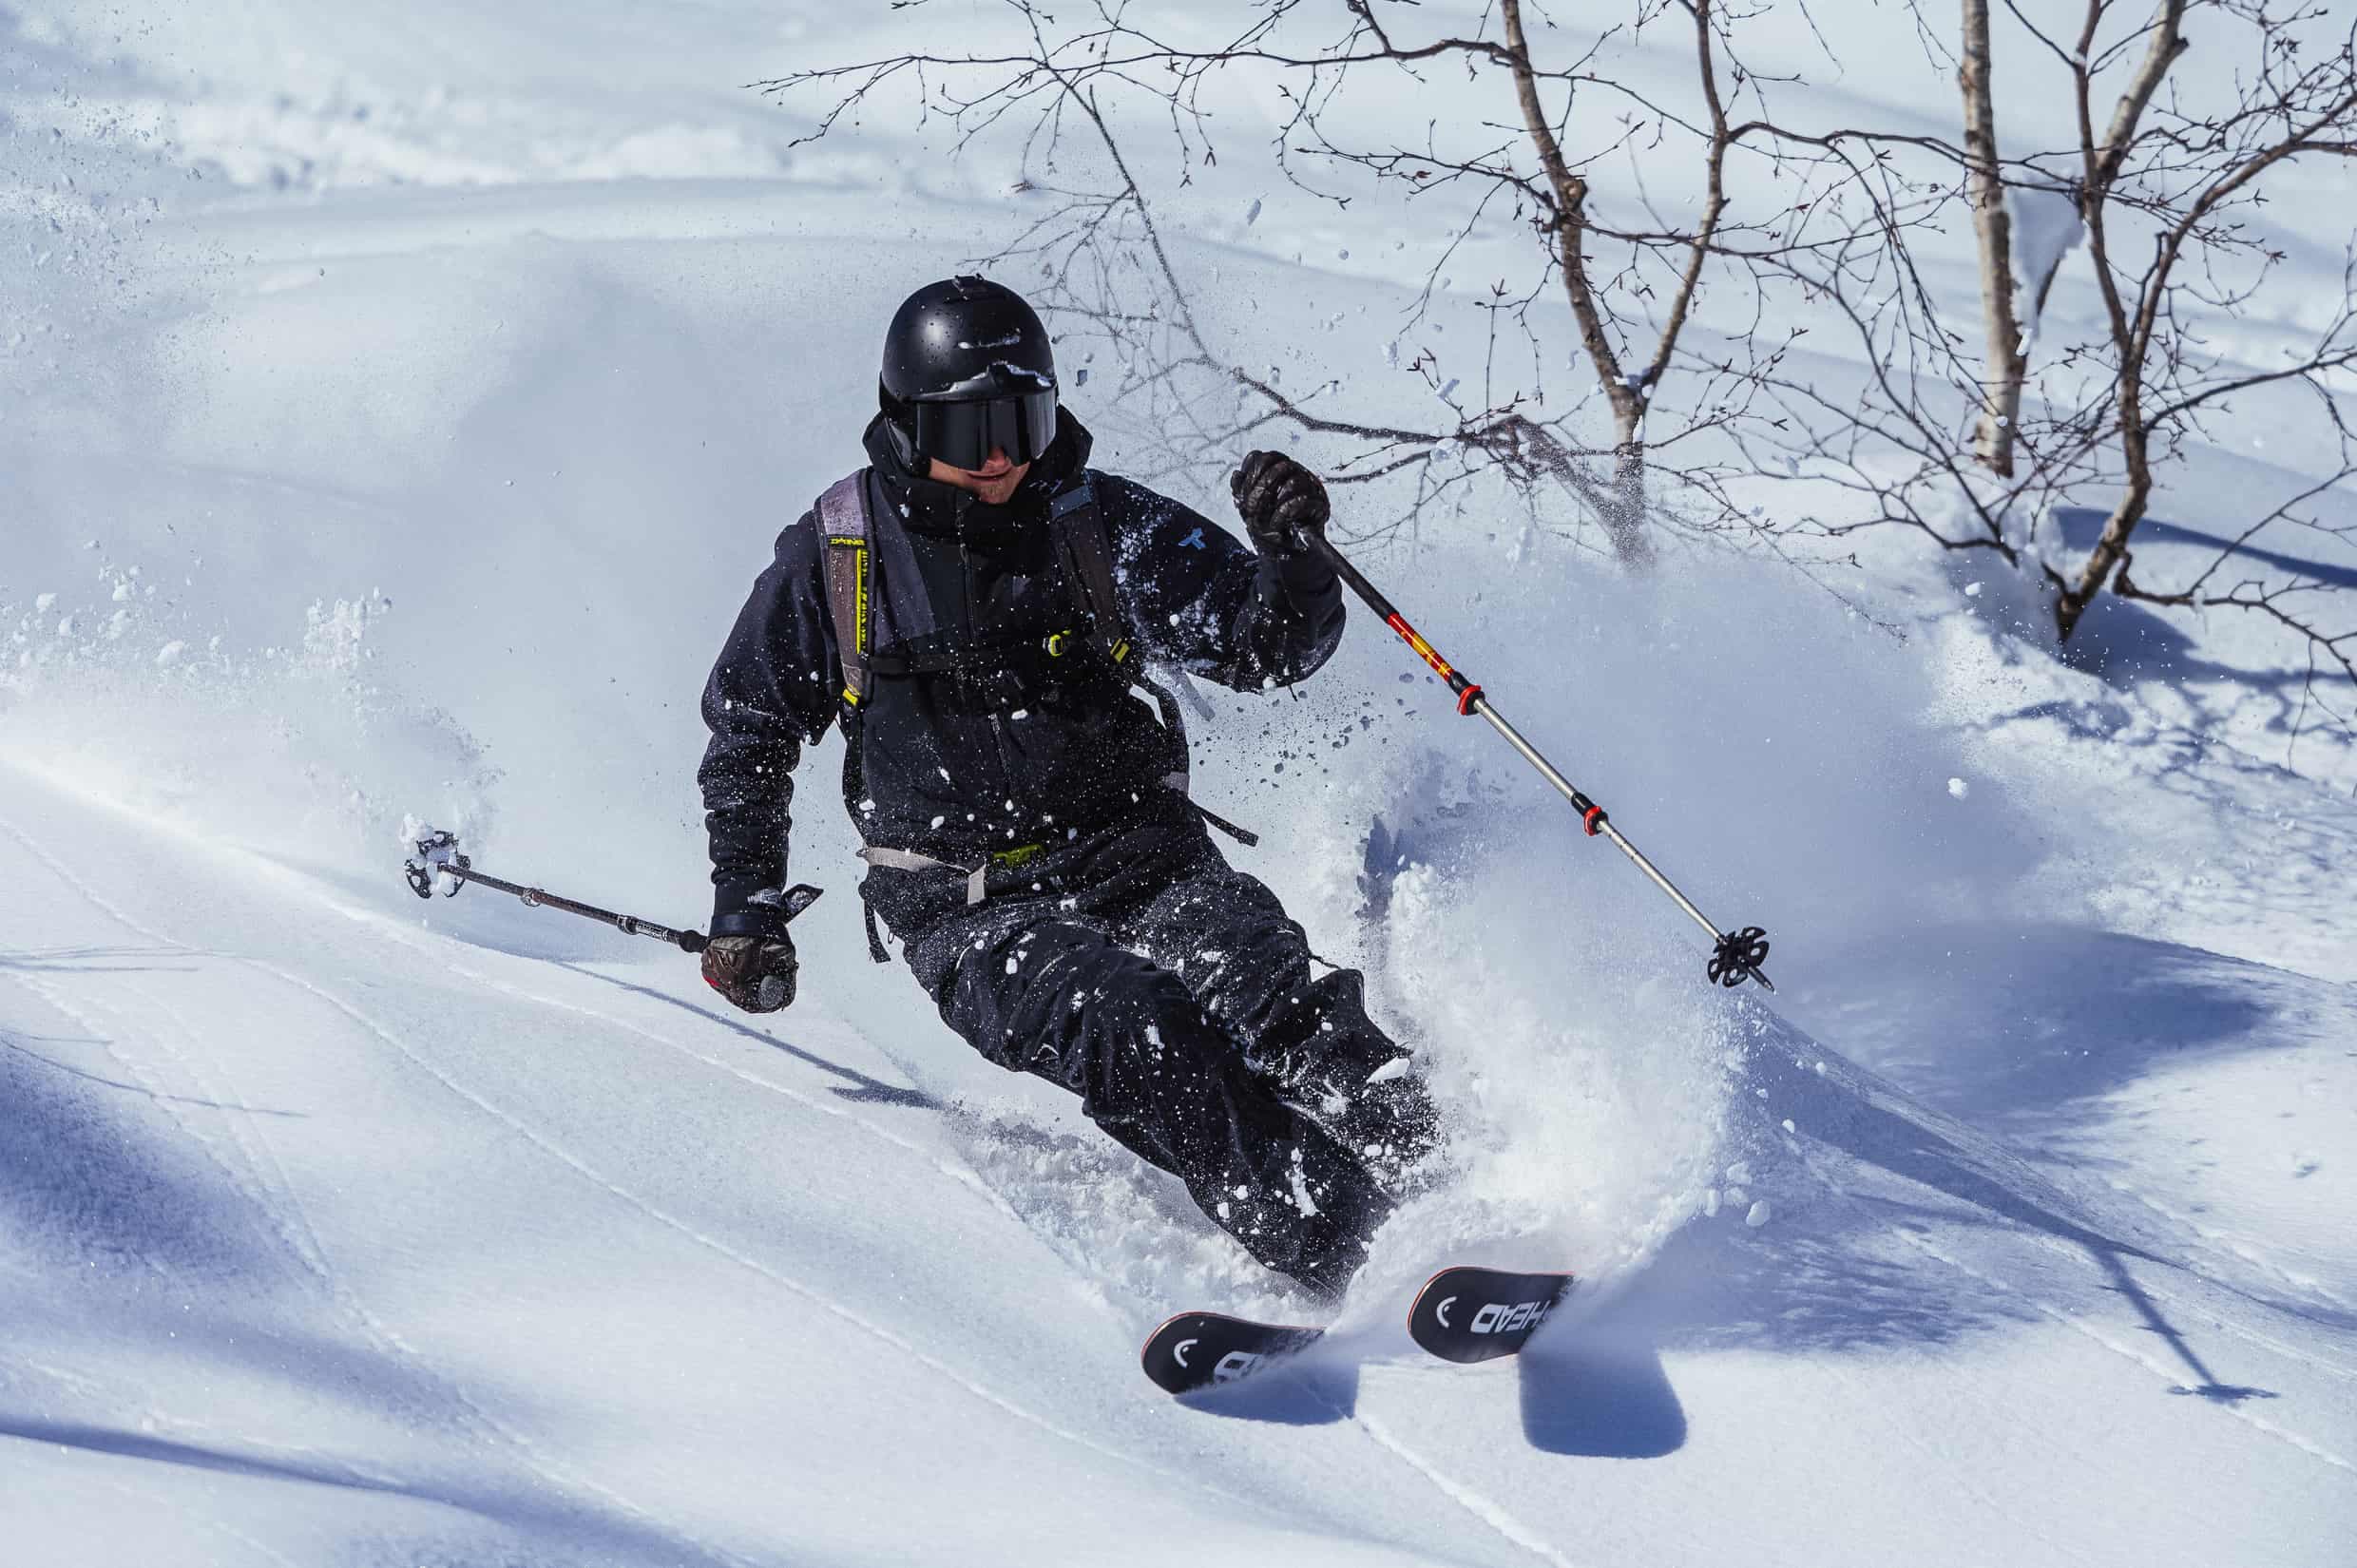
413, 461
337, 1239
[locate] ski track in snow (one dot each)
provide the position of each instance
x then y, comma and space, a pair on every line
2176, 1384
963, 1175
308, 1252
1463, 1496
580, 1168
2073, 1320
273, 1198
206, 1522
1484, 1510
2255, 1337
1459, 1495
2234, 1247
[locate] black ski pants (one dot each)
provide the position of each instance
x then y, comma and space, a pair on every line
1172, 994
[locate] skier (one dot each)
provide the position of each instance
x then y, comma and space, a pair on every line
975, 607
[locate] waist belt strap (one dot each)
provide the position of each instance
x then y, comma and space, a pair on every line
908, 860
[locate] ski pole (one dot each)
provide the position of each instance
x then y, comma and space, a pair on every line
1735, 956
437, 855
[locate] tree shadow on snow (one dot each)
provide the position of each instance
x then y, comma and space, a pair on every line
2122, 643
529, 1507
1865, 1181
2037, 1022
93, 1178
22, 1046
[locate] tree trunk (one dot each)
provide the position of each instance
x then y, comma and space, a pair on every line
1624, 515
2132, 341
2097, 574
2004, 364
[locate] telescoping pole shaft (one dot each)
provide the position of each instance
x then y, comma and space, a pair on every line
1738, 956
436, 857
691, 942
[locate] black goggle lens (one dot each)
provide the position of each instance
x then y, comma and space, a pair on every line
965, 434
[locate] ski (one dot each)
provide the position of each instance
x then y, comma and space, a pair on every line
1462, 1314
1468, 1314
1198, 1350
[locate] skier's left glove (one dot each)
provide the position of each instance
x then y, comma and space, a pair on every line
1283, 505
755, 973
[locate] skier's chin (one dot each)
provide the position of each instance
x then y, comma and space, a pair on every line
994, 489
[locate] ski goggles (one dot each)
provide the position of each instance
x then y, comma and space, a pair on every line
1012, 411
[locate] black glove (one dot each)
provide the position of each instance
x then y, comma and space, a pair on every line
1283, 505
754, 972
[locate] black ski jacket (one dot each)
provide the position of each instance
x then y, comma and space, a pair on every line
1007, 749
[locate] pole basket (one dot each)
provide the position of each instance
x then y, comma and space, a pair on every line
1740, 956
436, 861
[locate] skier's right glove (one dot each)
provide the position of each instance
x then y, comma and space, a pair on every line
754, 972
1283, 505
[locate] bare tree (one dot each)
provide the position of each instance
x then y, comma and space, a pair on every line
2192, 172
1630, 286
1777, 226
2163, 184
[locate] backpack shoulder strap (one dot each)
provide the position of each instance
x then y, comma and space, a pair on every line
1086, 546
842, 514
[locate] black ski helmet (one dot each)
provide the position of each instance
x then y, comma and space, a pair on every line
968, 369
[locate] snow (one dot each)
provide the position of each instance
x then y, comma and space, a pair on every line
342, 1226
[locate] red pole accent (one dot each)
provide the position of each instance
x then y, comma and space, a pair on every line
1423, 650
1464, 700
1593, 819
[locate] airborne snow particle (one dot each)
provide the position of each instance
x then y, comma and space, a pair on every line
1958, 788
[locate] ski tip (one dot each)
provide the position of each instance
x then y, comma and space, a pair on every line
1192, 1352
1471, 1313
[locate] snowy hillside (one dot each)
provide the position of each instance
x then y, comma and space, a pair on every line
393, 414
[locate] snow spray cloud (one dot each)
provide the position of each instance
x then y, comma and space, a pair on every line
1767, 749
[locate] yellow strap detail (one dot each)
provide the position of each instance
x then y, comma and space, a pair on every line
860, 599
